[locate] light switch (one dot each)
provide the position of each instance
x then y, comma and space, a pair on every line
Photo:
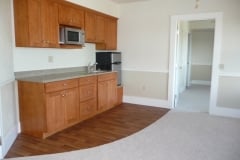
50, 59
221, 66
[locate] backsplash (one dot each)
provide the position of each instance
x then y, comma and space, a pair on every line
29, 59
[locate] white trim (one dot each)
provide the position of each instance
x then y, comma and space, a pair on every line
216, 52
226, 112
201, 64
207, 83
9, 139
10, 80
146, 101
226, 74
136, 70
1, 155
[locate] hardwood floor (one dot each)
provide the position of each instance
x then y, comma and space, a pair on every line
109, 126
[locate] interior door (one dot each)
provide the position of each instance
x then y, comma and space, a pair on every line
176, 68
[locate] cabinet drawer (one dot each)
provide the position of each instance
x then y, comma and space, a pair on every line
88, 92
87, 80
88, 108
107, 76
61, 85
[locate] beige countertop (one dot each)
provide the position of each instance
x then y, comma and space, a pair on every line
59, 76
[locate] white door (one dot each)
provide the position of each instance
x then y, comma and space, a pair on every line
176, 66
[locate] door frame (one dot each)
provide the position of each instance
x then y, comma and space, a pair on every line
217, 16
189, 61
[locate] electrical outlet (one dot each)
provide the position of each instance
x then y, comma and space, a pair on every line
50, 59
221, 66
143, 87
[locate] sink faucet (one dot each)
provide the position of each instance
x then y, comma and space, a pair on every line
92, 67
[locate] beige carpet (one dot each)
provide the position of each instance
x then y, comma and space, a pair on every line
176, 136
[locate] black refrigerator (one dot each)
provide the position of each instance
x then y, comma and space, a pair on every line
110, 61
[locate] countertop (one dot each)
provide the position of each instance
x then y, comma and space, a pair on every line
59, 76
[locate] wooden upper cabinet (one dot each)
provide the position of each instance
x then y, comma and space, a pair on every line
90, 25
94, 27
108, 31
100, 28
36, 23
71, 16
111, 34
49, 20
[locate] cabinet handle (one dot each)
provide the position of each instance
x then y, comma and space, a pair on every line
63, 95
65, 84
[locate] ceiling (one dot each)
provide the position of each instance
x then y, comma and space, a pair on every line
127, 1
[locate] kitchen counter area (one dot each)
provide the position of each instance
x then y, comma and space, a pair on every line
45, 76
52, 100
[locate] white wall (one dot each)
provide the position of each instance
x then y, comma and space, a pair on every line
202, 54
8, 109
105, 6
202, 46
144, 30
26, 59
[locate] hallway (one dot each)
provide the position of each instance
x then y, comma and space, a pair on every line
194, 99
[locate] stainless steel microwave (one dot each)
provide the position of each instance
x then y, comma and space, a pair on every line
70, 35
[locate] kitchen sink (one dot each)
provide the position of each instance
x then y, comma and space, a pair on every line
97, 71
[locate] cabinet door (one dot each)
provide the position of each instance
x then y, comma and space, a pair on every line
90, 24
78, 18
87, 92
107, 91
88, 108
34, 23
111, 34
71, 105
112, 93
55, 111
71, 16
49, 17
100, 29
102, 95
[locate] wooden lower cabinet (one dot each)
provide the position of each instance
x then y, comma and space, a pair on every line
107, 91
119, 95
88, 108
71, 105
46, 108
54, 111
88, 96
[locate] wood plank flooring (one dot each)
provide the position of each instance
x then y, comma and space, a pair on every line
109, 126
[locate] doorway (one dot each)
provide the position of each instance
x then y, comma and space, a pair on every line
174, 81
194, 55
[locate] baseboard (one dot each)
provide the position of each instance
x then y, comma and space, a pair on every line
8, 140
1, 155
146, 101
207, 83
225, 112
